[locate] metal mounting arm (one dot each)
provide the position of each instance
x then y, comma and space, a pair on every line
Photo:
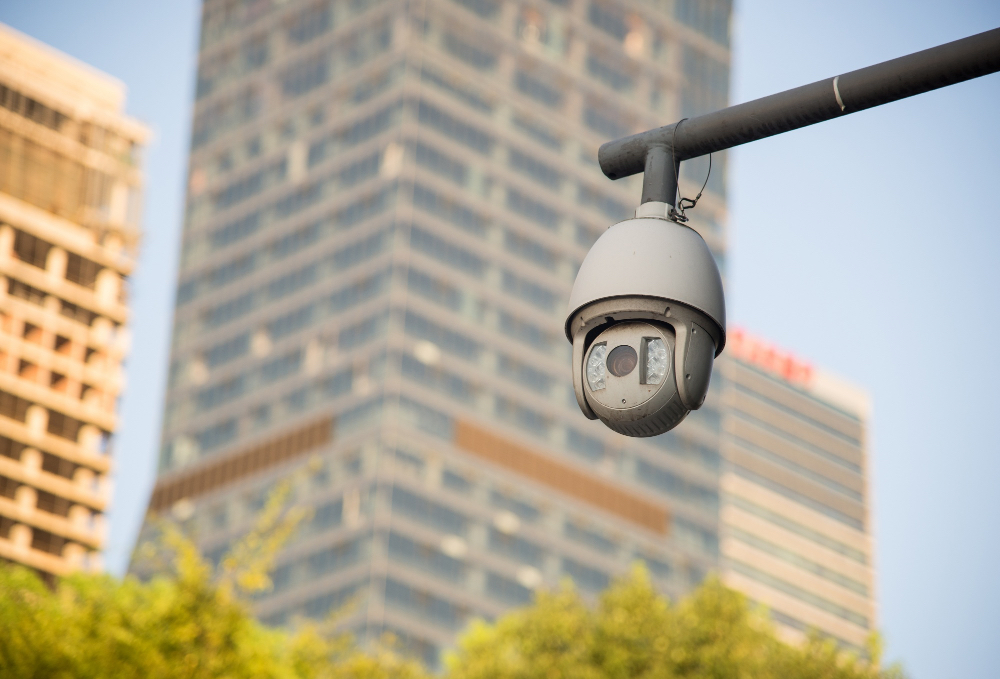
659, 152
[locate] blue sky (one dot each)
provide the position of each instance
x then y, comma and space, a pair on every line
867, 245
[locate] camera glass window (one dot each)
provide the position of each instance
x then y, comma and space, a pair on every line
622, 360
656, 360
596, 367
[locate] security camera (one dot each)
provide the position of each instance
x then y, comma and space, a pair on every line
647, 317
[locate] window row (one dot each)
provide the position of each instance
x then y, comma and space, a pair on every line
21, 290
287, 244
346, 55
57, 424
532, 210
55, 182
221, 19
300, 279
680, 489
304, 396
86, 133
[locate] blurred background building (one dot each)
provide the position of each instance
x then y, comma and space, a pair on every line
795, 520
69, 207
387, 206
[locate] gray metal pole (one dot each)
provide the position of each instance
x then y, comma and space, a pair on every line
865, 88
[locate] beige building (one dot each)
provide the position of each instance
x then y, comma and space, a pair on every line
795, 530
69, 206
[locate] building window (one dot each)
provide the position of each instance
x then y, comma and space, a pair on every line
614, 75
359, 251
222, 393
677, 486
587, 446
535, 169
609, 19
539, 89
30, 249
584, 535
537, 132
450, 341
476, 56
64, 426
235, 231
660, 568
435, 290
425, 604
512, 369
281, 367
310, 23
608, 206
487, 9
251, 185
457, 89
454, 129
449, 210
524, 417
231, 271
530, 249
708, 17
360, 291
605, 121
534, 210
217, 435
425, 558
455, 481
427, 419
428, 512
15, 102
292, 282
334, 558
446, 252
437, 379
507, 590
585, 577
439, 163
360, 333
525, 331
516, 548
292, 322
523, 509
530, 292
320, 606
706, 83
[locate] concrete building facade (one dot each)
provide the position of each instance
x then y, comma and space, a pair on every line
70, 185
795, 518
388, 203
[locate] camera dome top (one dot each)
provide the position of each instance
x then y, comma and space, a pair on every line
651, 257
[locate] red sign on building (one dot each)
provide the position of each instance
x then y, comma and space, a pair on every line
765, 355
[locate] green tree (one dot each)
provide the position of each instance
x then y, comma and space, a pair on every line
634, 634
185, 622
194, 621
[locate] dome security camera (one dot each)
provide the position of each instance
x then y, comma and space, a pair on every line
647, 317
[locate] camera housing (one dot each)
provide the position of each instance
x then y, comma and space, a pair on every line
649, 292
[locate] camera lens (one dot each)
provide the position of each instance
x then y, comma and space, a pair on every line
622, 360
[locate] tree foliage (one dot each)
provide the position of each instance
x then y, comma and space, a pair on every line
187, 622
633, 633
195, 621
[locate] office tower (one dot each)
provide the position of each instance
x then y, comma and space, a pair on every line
795, 526
69, 209
388, 203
